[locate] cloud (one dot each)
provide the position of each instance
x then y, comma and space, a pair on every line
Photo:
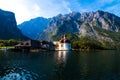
27, 9
44, 8
66, 6
54, 7
50, 8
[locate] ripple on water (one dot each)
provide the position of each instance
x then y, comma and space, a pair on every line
18, 74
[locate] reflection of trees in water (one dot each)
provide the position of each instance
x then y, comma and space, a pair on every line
61, 57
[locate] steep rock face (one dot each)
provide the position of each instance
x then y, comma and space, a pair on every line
8, 26
83, 24
34, 27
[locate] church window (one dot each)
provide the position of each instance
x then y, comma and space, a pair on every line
61, 45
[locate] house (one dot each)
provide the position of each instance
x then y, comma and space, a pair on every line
62, 44
27, 45
45, 45
34, 45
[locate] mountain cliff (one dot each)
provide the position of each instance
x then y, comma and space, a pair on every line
34, 27
98, 25
8, 26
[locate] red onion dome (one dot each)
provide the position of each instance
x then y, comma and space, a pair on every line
64, 41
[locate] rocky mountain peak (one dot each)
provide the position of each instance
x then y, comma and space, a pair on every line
8, 26
82, 24
97, 25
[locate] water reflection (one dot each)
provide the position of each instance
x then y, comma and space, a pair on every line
60, 65
62, 56
61, 60
13, 73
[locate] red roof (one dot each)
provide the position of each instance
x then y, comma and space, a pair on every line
64, 41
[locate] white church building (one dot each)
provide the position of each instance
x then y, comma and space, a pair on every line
62, 44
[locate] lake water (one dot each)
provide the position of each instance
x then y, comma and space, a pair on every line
61, 65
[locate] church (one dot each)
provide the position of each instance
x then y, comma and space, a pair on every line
62, 44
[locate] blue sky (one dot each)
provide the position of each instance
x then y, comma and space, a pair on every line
26, 9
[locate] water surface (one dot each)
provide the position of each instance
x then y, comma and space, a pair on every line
60, 65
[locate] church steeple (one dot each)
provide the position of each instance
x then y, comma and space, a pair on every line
64, 39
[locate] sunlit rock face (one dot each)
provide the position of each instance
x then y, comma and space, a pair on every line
82, 24
75, 23
18, 74
8, 26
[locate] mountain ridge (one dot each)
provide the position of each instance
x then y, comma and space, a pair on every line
98, 25
8, 26
83, 24
34, 27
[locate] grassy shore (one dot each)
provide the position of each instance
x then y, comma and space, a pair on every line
6, 47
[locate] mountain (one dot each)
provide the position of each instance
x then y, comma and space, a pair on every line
98, 25
34, 27
8, 26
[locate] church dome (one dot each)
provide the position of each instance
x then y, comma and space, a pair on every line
64, 40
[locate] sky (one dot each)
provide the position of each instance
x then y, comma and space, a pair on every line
27, 9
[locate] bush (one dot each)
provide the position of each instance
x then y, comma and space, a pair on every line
10, 42
87, 43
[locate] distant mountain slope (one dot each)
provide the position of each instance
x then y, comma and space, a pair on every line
99, 25
34, 27
8, 26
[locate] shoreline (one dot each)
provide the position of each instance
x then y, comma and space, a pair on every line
11, 48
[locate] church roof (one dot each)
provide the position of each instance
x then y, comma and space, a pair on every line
64, 39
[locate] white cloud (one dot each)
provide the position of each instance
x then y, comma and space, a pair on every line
36, 7
66, 6
27, 9
21, 11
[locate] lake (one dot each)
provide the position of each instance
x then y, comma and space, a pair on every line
60, 65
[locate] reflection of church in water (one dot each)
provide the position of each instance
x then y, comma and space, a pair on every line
61, 62
61, 57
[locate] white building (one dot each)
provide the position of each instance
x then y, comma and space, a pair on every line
62, 44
